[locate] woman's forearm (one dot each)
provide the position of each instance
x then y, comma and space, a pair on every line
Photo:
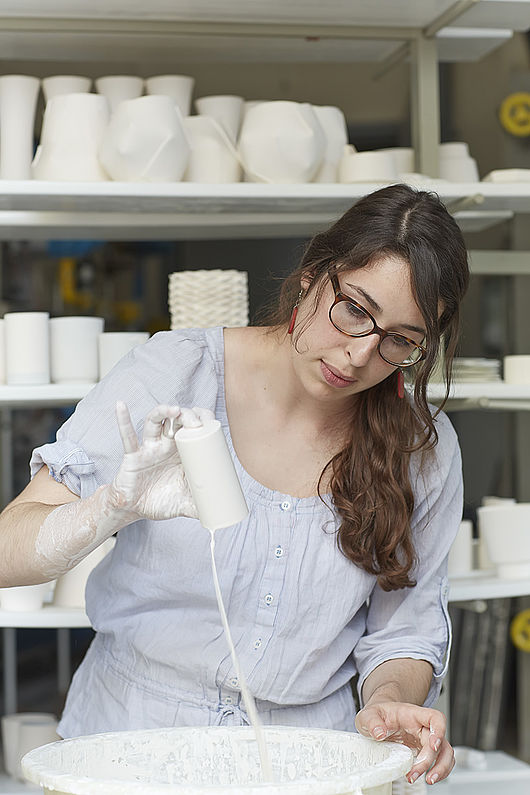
39, 542
401, 680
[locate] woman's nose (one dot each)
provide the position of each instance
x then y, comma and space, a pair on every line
362, 349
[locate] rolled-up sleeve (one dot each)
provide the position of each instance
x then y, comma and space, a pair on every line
414, 622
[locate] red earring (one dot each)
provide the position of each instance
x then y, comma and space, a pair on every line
294, 313
400, 384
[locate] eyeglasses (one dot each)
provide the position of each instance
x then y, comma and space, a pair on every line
352, 319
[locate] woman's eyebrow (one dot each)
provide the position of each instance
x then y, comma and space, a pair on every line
376, 308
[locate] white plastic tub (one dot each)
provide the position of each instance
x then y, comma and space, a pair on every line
218, 761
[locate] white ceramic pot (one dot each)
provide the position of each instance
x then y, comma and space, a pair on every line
178, 87
226, 109
70, 588
145, 141
114, 345
403, 158
72, 129
118, 88
453, 149
281, 142
22, 598
65, 84
376, 166
21, 733
506, 531
517, 369
74, 348
461, 552
213, 157
27, 348
333, 123
18, 102
459, 169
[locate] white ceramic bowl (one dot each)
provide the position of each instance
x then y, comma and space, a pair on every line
506, 530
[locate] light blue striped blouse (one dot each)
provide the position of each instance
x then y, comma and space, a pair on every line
303, 617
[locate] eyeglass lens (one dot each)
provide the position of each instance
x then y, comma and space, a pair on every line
353, 320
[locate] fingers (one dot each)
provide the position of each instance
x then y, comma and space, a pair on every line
205, 415
159, 422
126, 428
190, 419
444, 764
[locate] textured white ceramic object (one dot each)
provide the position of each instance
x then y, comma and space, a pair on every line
72, 129
333, 123
517, 369
281, 142
65, 84
145, 141
178, 87
226, 109
118, 88
213, 157
191, 304
506, 531
374, 166
27, 348
18, 102
114, 345
74, 348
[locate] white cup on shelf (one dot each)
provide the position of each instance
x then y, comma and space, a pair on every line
226, 109
2, 352
55, 85
371, 166
461, 552
70, 587
21, 733
178, 87
118, 88
114, 345
517, 369
27, 348
23, 598
333, 123
74, 349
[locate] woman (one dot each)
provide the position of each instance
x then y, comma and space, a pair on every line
354, 491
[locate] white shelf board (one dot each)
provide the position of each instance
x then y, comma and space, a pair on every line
495, 390
47, 617
184, 210
486, 585
43, 395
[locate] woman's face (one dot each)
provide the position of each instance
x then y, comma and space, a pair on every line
333, 365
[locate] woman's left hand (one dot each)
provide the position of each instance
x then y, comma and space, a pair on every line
420, 728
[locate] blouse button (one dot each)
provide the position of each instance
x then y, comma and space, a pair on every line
269, 599
285, 506
228, 700
278, 552
257, 643
234, 681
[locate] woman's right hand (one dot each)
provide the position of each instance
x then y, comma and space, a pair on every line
150, 483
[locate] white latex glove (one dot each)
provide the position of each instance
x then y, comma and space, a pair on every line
151, 483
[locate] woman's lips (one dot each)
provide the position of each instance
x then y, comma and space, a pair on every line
333, 377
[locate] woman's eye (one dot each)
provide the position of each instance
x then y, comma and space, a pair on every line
356, 312
402, 342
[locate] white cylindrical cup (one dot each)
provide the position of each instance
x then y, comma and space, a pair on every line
211, 475
10, 734
34, 731
226, 109
18, 103
461, 552
70, 587
27, 348
373, 166
453, 149
118, 88
491, 500
21, 598
114, 345
178, 87
517, 369
74, 348
459, 169
2, 352
65, 84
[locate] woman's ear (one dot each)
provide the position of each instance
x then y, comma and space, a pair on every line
305, 282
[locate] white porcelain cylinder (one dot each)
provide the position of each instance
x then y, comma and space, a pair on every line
226, 109
18, 102
372, 166
459, 169
118, 88
27, 348
403, 158
22, 598
178, 87
15, 738
74, 348
461, 552
333, 124
517, 369
211, 475
2, 352
72, 130
70, 587
213, 158
114, 345
506, 531
65, 84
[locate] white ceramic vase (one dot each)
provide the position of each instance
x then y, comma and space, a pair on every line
145, 141
27, 348
74, 349
281, 142
70, 587
226, 109
72, 129
118, 88
213, 157
65, 84
333, 123
114, 345
178, 87
18, 102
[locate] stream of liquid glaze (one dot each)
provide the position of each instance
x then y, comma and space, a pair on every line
248, 698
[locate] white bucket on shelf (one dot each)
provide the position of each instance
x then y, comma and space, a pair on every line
218, 761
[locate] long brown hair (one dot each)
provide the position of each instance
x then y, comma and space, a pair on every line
369, 477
